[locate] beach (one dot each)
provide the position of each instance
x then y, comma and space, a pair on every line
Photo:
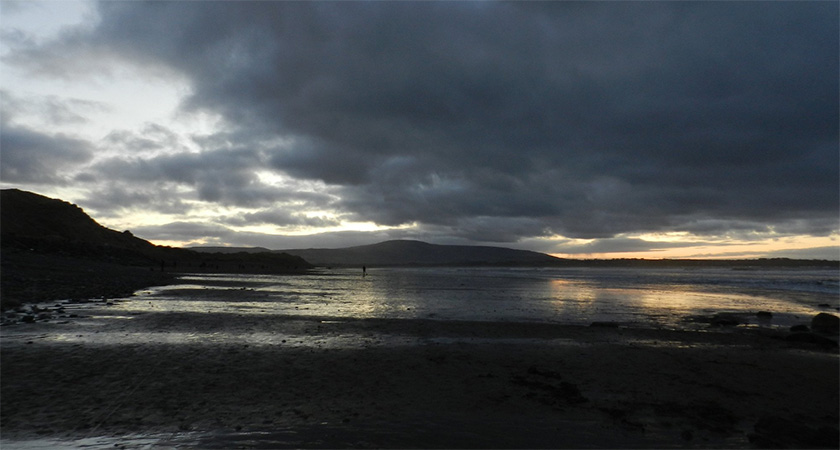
105, 379
429, 358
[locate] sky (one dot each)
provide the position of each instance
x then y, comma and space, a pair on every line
579, 129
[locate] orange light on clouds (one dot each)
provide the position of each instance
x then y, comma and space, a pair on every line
797, 247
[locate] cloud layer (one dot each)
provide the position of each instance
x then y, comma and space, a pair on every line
491, 122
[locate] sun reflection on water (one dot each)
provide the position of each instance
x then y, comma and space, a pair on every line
568, 297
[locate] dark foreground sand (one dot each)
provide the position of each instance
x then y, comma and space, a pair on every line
407, 383
31, 276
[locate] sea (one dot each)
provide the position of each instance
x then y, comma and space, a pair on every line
668, 298
660, 298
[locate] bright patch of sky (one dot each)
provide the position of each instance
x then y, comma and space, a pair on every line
806, 247
110, 97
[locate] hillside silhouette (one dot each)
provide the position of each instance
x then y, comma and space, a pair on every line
396, 253
417, 253
52, 249
32, 222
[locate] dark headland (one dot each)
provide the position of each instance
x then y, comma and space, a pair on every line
52, 249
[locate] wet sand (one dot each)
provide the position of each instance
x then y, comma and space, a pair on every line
31, 276
258, 381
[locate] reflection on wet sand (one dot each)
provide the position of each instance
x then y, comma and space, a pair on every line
450, 294
196, 380
414, 360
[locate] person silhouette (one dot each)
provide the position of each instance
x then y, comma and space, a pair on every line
364, 271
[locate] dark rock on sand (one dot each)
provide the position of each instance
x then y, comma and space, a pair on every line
570, 393
549, 382
764, 315
604, 324
534, 370
719, 319
825, 323
780, 432
727, 319
800, 329
811, 338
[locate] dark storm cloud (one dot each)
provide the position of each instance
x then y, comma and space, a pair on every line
35, 155
51, 109
207, 174
214, 234
153, 137
280, 217
226, 176
501, 121
184, 231
119, 197
31, 156
622, 245
154, 168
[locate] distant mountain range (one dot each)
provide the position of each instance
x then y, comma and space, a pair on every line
417, 253
411, 253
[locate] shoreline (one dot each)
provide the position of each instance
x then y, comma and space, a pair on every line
31, 278
221, 381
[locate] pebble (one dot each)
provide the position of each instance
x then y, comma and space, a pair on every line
811, 338
604, 324
825, 323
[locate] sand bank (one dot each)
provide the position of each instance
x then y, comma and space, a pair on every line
251, 381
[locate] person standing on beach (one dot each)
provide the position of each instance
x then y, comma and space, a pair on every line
364, 271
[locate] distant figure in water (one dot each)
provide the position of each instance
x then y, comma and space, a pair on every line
364, 271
